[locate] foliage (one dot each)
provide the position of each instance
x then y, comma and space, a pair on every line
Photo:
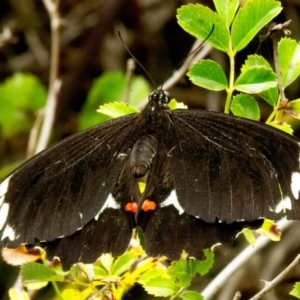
231, 34
113, 277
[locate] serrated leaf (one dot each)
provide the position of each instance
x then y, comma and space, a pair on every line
106, 261
282, 126
289, 60
248, 234
160, 287
256, 80
253, 61
245, 106
173, 104
110, 87
296, 290
123, 263
270, 96
100, 272
179, 272
198, 21
227, 9
151, 274
204, 266
208, 74
88, 270
116, 109
250, 19
33, 272
191, 295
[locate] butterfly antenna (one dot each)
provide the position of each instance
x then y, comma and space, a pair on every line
135, 59
195, 50
191, 53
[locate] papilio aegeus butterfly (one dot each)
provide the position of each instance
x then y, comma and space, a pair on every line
209, 175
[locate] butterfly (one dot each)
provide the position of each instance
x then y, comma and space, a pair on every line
208, 175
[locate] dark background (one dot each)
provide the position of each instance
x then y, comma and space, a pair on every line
90, 46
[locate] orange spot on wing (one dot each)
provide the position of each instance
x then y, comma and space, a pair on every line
148, 205
131, 207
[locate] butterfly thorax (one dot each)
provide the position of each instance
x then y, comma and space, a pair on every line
156, 111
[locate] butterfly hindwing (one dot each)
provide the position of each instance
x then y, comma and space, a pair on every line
64, 187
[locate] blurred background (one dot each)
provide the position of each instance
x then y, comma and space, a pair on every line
91, 52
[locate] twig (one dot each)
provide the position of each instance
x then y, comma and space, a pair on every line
34, 132
54, 81
129, 75
238, 262
237, 296
271, 284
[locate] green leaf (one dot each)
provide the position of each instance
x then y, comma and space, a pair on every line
202, 267
227, 9
198, 21
191, 295
110, 87
75, 294
293, 108
296, 290
100, 273
123, 263
208, 74
245, 106
20, 97
255, 80
116, 109
173, 104
36, 285
289, 60
270, 96
161, 287
282, 126
255, 61
88, 270
151, 274
106, 261
179, 272
33, 272
16, 294
249, 236
250, 19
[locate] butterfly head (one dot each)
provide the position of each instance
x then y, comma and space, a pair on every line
159, 99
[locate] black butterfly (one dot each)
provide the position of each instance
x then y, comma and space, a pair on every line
208, 175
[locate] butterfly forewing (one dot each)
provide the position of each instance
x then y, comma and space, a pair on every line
61, 189
231, 169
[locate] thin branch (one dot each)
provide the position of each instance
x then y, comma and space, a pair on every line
271, 284
129, 76
221, 279
237, 296
54, 81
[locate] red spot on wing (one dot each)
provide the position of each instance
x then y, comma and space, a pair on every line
131, 207
148, 205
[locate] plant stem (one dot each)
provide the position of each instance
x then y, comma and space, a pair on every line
231, 82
